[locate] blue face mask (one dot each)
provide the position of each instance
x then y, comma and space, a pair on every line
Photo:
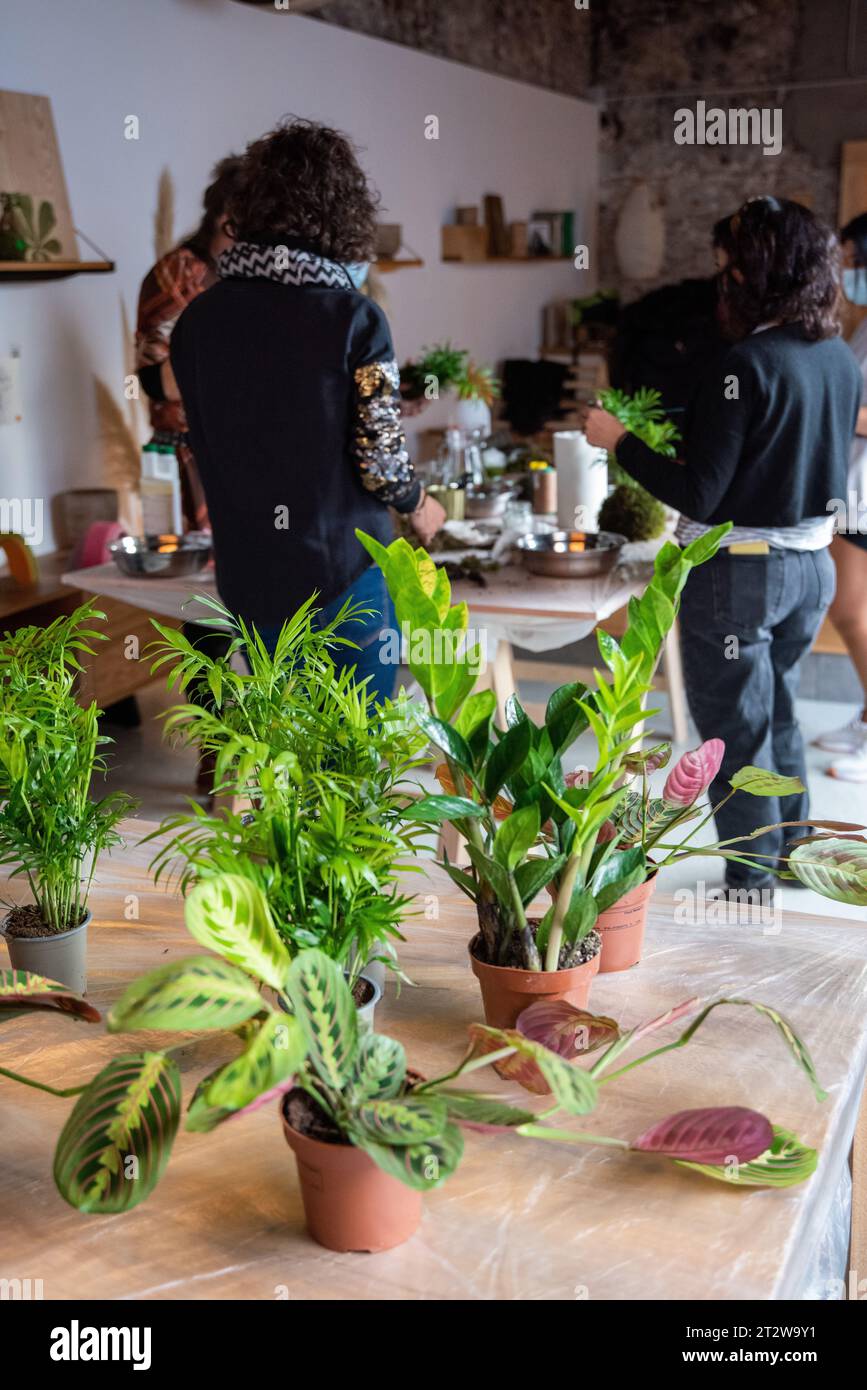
357, 272
855, 285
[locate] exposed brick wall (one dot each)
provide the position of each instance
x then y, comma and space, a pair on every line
621, 49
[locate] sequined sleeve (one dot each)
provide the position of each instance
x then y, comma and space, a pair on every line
379, 441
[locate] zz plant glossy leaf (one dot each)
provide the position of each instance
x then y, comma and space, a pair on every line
197, 992
230, 915
115, 1145
325, 1009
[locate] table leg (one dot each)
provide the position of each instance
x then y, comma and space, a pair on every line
503, 678
675, 686
858, 1237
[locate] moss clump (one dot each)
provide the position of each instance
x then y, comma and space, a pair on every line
633, 513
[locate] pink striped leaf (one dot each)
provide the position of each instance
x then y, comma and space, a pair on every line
716, 1135
693, 773
570, 1032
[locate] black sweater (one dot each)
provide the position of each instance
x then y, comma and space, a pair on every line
774, 454
290, 394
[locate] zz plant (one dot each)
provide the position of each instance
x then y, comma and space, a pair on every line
505, 790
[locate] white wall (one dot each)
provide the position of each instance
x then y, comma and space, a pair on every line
206, 76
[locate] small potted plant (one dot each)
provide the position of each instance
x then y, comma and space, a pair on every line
50, 828
507, 794
311, 774
443, 368
643, 825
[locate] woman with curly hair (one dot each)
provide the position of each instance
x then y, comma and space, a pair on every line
291, 388
766, 446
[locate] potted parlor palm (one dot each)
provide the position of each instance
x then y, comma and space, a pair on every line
506, 792
51, 830
311, 774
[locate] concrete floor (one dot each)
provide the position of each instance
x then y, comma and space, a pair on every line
161, 777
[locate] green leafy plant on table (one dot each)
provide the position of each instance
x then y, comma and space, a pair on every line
51, 830
448, 368
643, 415
314, 776
505, 790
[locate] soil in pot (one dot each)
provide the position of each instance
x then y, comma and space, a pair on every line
349, 1203
60, 956
509, 989
622, 926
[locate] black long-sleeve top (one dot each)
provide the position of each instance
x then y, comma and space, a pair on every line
291, 394
767, 435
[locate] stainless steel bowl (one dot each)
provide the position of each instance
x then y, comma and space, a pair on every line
486, 503
570, 554
161, 557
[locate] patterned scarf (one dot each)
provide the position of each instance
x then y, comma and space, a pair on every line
251, 260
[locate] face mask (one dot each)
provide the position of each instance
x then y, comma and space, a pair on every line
357, 272
855, 285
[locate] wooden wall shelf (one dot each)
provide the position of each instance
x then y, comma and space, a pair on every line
507, 260
52, 270
386, 264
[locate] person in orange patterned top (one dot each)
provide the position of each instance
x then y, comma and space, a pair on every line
177, 279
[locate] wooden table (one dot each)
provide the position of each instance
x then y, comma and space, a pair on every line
520, 1220
513, 606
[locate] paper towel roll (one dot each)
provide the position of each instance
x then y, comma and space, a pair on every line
582, 480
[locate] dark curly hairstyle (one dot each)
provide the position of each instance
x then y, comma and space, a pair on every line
789, 264
302, 186
225, 182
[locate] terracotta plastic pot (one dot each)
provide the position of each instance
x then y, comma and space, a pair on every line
349, 1203
507, 992
622, 928
61, 956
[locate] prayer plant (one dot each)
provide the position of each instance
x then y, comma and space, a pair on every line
834, 864
116, 1143
50, 828
312, 773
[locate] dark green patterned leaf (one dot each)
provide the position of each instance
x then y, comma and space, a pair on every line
116, 1143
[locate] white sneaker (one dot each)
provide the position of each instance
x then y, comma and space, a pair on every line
850, 739
852, 768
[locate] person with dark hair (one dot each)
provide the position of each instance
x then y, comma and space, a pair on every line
848, 612
169, 286
291, 388
766, 446
167, 289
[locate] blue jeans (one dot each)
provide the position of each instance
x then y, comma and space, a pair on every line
367, 654
746, 622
